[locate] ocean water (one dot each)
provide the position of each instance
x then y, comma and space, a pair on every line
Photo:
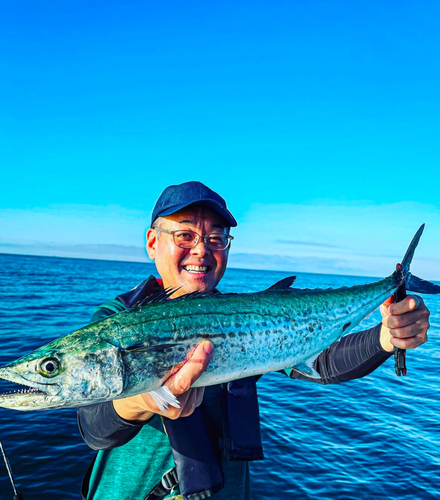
374, 438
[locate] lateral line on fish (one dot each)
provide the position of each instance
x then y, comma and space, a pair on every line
264, 331
263, 315
125, 327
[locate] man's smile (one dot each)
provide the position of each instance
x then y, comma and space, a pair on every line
196, 269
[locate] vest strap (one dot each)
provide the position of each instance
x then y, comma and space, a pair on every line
165, 486
196, 455
241, 420
86, 480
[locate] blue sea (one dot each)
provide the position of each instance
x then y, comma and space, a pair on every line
374, 438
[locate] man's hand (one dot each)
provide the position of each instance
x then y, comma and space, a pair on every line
142, 407
404, 324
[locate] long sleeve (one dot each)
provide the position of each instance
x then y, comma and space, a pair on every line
102, 428
354, 356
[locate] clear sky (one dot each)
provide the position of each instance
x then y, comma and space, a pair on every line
318, 121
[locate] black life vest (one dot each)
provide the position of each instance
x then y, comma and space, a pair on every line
196, 451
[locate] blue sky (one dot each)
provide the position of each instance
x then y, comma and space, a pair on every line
317, 121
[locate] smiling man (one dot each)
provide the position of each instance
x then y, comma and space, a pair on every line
179, 257
146, 454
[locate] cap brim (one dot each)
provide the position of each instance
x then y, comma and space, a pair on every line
224, 212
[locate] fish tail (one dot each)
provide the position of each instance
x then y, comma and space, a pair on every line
407, 281
409, 254
413, 283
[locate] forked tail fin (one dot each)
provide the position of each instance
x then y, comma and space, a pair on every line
415, 284
409, 282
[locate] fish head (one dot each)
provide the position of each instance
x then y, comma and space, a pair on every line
63, 376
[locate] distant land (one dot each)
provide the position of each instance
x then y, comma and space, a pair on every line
236, 260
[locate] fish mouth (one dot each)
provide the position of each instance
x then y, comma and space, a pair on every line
31, 395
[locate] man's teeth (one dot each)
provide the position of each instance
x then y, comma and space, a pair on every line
196, 269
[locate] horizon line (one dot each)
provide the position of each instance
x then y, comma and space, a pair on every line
152, 264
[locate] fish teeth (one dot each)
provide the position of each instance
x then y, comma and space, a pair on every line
31, 390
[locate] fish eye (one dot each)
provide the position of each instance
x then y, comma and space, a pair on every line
49, 367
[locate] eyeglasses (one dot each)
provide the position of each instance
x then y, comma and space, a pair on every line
184, 238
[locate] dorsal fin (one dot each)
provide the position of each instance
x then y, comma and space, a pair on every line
157, 297
166, 294
283, 284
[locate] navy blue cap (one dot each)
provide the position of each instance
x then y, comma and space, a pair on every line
179, 196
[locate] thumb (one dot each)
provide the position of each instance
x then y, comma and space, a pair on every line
384, 311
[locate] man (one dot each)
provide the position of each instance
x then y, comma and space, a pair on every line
208, 450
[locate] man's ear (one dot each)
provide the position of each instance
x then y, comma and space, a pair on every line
151, 243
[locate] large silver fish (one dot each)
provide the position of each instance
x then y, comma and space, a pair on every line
253, 333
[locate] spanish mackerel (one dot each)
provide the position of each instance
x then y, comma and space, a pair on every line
253, 333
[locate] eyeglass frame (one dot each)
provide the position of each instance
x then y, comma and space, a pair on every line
199, 237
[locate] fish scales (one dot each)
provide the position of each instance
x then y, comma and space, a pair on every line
253, 333
246, 342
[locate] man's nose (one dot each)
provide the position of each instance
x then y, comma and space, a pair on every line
201, 248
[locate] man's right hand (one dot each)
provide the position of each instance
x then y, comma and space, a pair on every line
142, 407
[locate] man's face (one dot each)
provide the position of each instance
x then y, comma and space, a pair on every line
192, 269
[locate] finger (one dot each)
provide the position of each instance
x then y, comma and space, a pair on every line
192, 399
149, 403
417, 328
181, 381
409, 343
384, 308
407, 319
190, 404
171, 412
409, 303
389, 301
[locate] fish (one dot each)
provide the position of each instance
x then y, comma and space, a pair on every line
135, 351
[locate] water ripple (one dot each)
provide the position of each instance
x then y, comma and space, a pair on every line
372, 438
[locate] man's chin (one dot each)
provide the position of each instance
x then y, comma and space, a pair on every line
194, 282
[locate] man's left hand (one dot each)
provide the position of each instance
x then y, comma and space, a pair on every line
404, 324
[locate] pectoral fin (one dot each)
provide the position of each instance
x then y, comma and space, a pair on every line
164, 398
307, 369
153, 349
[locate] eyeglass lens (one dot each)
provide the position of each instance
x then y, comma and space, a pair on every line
188, 239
